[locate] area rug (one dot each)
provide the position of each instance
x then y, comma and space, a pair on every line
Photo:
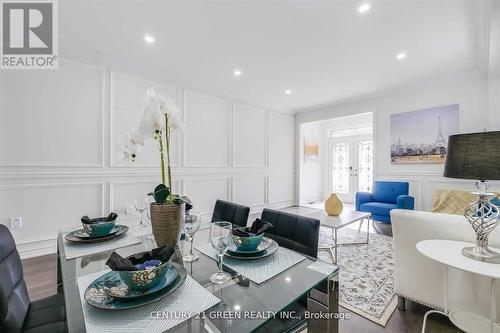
366, 273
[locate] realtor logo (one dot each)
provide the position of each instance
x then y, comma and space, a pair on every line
29, 34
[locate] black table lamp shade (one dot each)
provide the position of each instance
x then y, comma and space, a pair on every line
473, 156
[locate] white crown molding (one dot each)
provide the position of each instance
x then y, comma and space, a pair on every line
431, 82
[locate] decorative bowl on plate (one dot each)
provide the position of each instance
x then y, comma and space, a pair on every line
249, 243
145, 278
98, 228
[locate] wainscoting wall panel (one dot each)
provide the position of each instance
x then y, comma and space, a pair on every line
281, 139
250, 191
45, 208
280, 187
49, 118
64, 164
250, 136
204, 192
207, 140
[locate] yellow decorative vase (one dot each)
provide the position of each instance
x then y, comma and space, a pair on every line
333, 206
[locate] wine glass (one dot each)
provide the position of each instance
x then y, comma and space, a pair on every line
191, 226
141, 205
220, 236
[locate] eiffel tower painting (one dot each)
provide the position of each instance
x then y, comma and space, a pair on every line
422, 136
440, 141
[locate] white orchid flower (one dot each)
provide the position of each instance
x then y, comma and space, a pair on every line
128, 149
152, 120
175, 121
136, 138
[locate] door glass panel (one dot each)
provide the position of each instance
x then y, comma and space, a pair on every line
340, 167
365, 166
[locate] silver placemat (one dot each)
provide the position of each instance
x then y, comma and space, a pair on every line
259, 270
323, 267
186, 302
75, 250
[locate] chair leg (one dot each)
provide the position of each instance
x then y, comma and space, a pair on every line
401, 303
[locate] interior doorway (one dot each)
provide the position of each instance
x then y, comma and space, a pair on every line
337, 155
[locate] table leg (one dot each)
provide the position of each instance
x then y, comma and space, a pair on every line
493, 305
445, 313
367, 231
336, 245
428, 313
361, 224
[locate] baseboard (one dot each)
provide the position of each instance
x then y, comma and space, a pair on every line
37, 247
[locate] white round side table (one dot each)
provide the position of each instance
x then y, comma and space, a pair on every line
449, 253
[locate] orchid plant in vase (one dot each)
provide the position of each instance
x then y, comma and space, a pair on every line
161, 117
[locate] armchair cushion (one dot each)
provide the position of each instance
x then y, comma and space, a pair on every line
388, 192
378, 208
361, 198
405, 202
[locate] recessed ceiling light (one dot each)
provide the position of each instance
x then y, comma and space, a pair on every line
364, 8
288, 92
401, 56
149, 39
237, 72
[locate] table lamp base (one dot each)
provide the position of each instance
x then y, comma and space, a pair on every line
482, 253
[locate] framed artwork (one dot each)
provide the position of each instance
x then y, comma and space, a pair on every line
311, 148
422, 136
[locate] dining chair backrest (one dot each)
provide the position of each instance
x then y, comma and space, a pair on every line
231, 212
295, 232
14, 299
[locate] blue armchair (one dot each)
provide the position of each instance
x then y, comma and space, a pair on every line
384, 197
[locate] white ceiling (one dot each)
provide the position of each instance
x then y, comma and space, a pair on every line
323, 51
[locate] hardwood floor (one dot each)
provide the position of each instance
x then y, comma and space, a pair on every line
40, 276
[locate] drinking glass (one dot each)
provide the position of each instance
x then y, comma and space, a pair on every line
191, 226
141, 205
220, 236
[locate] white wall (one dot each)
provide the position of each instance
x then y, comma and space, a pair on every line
58, 161
469, 90
310, 171
494, 81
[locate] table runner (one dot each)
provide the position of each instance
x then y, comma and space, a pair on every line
186, 302
257, 270
75, 250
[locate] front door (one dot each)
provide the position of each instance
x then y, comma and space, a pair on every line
351, 166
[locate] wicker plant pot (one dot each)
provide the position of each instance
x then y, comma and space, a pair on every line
167, 221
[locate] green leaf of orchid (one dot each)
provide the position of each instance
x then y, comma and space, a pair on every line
161, 194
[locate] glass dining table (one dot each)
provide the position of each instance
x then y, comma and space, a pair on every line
308, 290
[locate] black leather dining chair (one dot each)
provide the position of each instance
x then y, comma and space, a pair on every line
295, 232
231, 212
17, 313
